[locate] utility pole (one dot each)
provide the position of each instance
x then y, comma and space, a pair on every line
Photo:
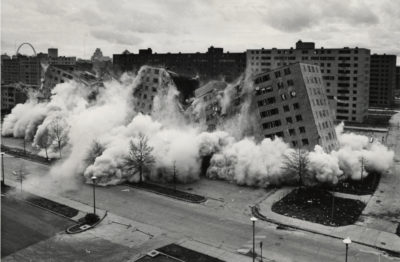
3, 182
24, 146
362, 168
174, 176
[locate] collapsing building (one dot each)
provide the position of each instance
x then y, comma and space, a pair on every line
289, 102
154, 80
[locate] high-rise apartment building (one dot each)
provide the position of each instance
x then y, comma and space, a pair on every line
214, 64
154, 80
345, 73
382, 80
288, 102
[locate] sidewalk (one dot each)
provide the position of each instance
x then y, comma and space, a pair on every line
358, 234
116, 238
213, 251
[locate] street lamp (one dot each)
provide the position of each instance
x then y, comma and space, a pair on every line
3, 183
347, 241
254, 219
94, 194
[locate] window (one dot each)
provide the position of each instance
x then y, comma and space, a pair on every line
305, 142
296, 106
286, 71
299, 118
290, 82
289, 120
302, 129
292, 132
270, 112
293, 93
286, 108
278, 74
283, 96
294, 143
271, 124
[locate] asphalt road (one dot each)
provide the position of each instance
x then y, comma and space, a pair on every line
212, 223
23, 225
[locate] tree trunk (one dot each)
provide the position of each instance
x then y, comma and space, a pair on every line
47, 156
141, 174
59, 148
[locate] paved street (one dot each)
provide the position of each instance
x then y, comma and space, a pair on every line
210, 223
23, 225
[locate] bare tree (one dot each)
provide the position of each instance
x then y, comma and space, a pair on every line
96, 149
296, 165
44, 141
140, 158
59, 132
20, 175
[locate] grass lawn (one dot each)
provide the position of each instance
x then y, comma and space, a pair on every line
319, 206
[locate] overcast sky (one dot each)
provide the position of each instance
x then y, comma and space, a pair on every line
77, 27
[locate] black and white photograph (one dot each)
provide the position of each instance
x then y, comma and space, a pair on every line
200, 130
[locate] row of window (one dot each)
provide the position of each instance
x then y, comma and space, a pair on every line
266, 101
313, 80
269, 112
286, 108
310, 68
322, 113
267, 77
272, 124
319, 102
292, 132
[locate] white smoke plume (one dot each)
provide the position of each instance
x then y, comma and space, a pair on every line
112, 120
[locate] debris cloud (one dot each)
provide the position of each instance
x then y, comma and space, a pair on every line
108, 116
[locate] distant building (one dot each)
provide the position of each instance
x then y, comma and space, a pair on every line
398, 77
11, 95
52, 52
288, 102
97, 55
214, 64
382, 80
30, 70
10, 71
345, 72
83, 65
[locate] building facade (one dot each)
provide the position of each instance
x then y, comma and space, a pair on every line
292, 104
214, 64
11, 95
398, 77
288, 102
345, 72
156, 80
382, 80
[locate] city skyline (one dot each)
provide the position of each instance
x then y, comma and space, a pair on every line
175, 26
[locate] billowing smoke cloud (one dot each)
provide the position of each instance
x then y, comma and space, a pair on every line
111, 119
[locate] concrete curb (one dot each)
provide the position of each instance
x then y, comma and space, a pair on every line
167, 195
89, 226
256, 212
